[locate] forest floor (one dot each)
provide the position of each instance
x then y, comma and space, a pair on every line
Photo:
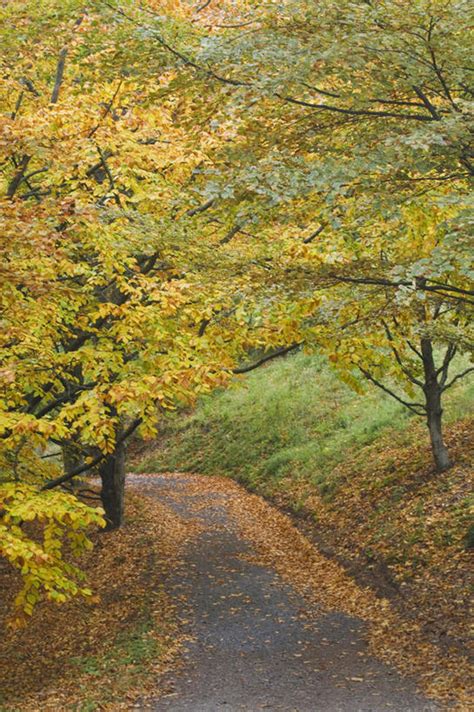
85, 656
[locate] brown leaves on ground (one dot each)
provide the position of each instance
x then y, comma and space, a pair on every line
80, 656
111, 652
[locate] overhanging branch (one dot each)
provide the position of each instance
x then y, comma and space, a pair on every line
417, 408
280, 352
80, 469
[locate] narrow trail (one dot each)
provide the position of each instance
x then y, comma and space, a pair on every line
255, 643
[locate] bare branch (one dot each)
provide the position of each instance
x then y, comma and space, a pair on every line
203, 6
313, 235
265, 359
458, 377
17, 105
108, 109
398, 358
203, 326
355, 112
24, 81
236, 26
200, 208
414, 349
442, 290
18, 177
232, 232
417, 408
59, 75
106, 168
444, 368
437, 69
427, 103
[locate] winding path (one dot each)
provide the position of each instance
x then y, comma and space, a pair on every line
254, 645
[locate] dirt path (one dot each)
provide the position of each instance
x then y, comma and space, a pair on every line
255, 643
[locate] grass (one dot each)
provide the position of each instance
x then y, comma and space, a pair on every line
130, 655
293, 418
130, 649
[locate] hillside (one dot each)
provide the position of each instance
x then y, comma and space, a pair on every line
355, 471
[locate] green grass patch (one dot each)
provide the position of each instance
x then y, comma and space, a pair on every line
293, 418
125, 664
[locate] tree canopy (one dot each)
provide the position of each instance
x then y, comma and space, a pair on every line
181, 184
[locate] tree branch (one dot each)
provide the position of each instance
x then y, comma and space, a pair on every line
355, 112
203, 6
417, 408
444, 368
398, 358
176, 53
200, 208
63, 398
232, 232
434, 287
18, 177
18, 104
265, 359
457, 378
313, 235
437, 69
59, 75
90, 465
108, 109
427, 103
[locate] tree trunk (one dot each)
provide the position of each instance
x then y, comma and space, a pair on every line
72, 458
112, 474
434, 411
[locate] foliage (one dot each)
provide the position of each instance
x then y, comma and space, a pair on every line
44, 570
105, 281
180, 185
78, 656
352, 161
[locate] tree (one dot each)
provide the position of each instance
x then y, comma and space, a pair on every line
184, 184
106, 278
350, 156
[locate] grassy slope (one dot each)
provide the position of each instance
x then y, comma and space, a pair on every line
293, 417
359, 469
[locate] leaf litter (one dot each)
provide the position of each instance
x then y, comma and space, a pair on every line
105, 655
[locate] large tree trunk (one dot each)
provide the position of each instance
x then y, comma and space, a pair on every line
434, 411
112, 474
